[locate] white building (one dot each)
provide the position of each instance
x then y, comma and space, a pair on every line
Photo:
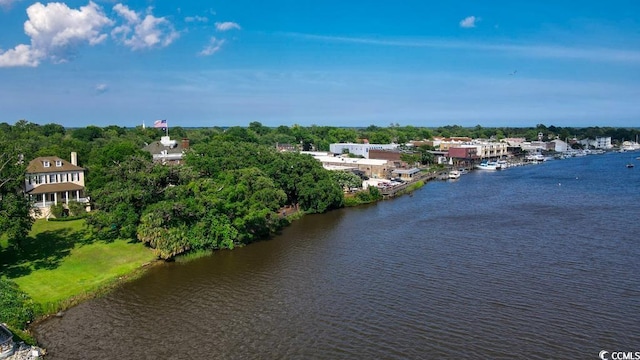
487, 150
371, 167
560, 146
50, 180
603, 142
360, 149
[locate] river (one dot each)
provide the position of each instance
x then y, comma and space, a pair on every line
533, 262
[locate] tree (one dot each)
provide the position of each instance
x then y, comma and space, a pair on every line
346, 179
125, 190
15, 207
87, 134
238, 207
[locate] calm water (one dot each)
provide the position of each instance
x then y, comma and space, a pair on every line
532, 262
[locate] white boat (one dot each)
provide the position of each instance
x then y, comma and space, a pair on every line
454, 174
488, 165
535, 157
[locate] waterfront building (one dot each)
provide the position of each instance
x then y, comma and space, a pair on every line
487, 150
446, 143
370, 167
359, 149
50, 180
463, 156
603, 142
514, 141
405, 174
629, 146
393, 156
560, 146
536, 146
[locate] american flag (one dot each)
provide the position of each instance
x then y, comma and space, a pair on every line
160, 124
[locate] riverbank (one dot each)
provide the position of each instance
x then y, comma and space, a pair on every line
323, 287
60, 265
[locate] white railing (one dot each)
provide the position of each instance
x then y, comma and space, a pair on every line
46, 204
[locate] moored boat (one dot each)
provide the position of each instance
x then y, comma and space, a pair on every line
454, 174
488, 165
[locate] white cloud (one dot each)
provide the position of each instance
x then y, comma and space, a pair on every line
226, 26
469, 22
213, 47
101, 88
140, 33
551, 51
56, 31
126, 13
21, 55
196, 19
7, 3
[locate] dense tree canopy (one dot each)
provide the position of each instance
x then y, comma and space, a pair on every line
234, 182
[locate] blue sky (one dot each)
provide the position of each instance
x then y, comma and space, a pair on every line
337, 63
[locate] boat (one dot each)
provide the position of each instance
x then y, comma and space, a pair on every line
487, 165
463, 171
535, 157
454, 174
629, 165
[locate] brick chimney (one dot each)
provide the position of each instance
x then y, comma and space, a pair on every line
185, 143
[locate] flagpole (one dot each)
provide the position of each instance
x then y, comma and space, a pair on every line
166, 128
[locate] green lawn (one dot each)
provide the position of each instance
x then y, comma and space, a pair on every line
59, 261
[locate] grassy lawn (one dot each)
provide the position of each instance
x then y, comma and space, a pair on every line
59, 261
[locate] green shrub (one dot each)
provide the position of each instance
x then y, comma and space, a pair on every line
372, 194
57, 210
16, 308
77, 209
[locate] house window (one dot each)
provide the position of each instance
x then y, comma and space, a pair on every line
74, 176
52, 178
46, 164
63, 178
43, 179
58, 163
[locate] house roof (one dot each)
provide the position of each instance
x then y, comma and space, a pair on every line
52, 188
156, 148
37, 165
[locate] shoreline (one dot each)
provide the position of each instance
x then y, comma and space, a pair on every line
61, 307
58, 309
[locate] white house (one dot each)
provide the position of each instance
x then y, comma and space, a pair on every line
50, 180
